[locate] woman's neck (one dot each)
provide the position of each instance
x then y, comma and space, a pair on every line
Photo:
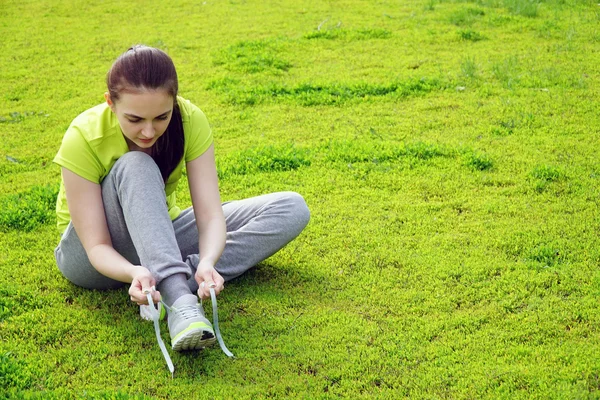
134, 147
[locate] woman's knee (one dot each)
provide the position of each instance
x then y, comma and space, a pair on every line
137, 162
135, 158
298, 209
85, 276
74, 265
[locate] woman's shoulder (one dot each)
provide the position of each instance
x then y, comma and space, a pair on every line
95, 122
188, 109
196, 129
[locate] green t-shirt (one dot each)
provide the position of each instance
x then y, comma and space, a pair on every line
94, 142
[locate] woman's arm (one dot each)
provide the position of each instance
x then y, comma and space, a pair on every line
204, 190
84, 199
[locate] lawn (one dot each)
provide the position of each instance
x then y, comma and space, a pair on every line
447, 152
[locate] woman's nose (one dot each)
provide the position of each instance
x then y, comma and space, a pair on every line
148, 131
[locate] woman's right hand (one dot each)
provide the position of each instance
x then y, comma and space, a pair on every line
142, 283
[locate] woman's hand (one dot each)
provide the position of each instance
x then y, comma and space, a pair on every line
142, 283
207, 276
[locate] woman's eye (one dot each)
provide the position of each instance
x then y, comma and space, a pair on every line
134, 121
164, 117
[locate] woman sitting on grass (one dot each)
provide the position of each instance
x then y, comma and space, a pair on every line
121, 163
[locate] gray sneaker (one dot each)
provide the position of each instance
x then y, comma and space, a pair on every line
188, 327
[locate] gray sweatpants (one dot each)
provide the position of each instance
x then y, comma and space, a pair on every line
142, 231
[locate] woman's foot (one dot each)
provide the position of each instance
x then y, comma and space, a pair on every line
188, 327
146, 313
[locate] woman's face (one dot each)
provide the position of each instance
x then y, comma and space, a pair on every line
144, 116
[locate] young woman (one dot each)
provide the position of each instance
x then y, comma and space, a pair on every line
121, 162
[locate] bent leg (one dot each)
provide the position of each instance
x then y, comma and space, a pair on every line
73, 263
256, 229
139, 225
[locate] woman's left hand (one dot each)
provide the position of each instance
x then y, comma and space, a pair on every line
207, 277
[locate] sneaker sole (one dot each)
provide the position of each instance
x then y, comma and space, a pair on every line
196, 336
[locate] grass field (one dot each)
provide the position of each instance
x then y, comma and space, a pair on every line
447, 151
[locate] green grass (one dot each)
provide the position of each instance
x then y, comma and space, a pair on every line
471, 35
251, 57
308, 94
265, 159
357, 34
447, 151
26, 211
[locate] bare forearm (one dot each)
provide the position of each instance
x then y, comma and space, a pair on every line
212, 234
110, 263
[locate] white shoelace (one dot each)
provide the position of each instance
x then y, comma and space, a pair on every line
213, 300
186, 312
161, 344
183, 310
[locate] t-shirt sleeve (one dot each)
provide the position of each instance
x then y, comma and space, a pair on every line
198, 135
76, 155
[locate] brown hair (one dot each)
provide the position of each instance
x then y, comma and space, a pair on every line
143, 67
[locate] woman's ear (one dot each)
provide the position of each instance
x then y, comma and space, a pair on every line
109, 101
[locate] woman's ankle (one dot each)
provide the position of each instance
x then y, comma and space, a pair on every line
173, 287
